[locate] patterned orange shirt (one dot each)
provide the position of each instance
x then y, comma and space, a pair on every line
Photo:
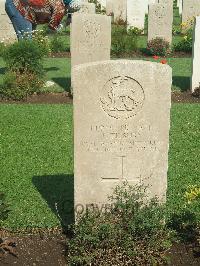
42, 11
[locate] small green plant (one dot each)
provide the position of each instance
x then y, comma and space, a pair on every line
192, 194
2, 48
133, 232
123, 41
57, 44
42, 40
25, 70
177, 29
158, 46
17, 86
25, 55
185, 44
4, 210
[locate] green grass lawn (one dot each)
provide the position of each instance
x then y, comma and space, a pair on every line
37, 160
59, 71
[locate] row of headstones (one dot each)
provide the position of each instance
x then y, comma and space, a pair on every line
133, 11
91, 36
160, 14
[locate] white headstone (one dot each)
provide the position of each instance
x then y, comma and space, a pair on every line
180, 7
87, 8
121, 127
136, 13
160, 21
117, 8
90, 38
196, 56
191, 9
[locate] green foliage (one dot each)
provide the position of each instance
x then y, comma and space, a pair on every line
17, 86
57, 44
176, 30
36, 163
2, 48
25, 69
25, 55
158, 46
39, 36
3, 208
123, 41
185, 44
132, 233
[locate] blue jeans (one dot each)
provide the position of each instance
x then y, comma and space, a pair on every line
20, 24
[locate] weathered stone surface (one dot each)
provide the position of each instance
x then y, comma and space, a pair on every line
135, 13
196, 56
87, 8
160, 21
103, 4
180, 7
191, 8
90, 38
121, 127
166, 2
117, 8
109, 7
7, 32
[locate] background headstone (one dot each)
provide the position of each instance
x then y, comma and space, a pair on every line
7, 32
119, 10
191, 8
160, 21
196, 56
121, 127
180, 7
87, 8
103, 4
109, 7
136, 13
90, 38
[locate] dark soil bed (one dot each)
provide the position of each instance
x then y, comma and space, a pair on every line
36, 250
49, 249
66, 98
137, 54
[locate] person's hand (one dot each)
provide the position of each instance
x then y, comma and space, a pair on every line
59, 28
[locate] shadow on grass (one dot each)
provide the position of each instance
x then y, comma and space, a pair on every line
51, 69
2, 70
182, 82
65, 83
185, 223
58, 192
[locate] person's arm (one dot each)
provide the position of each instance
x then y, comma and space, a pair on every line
58, 11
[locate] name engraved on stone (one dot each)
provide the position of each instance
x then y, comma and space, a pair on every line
122, 97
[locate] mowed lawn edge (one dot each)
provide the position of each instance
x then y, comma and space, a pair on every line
37, 161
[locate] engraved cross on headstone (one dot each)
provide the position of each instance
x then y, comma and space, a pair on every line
122, 176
